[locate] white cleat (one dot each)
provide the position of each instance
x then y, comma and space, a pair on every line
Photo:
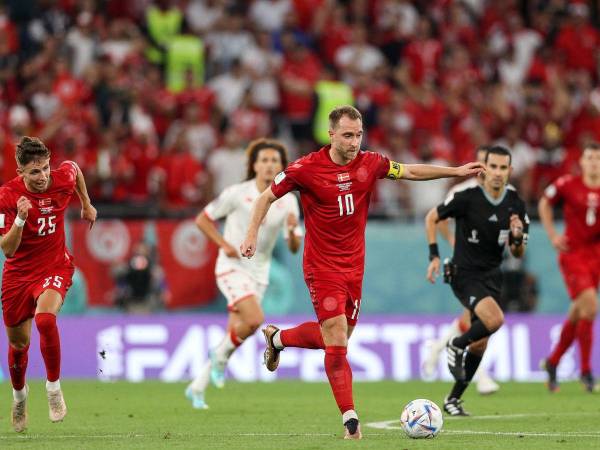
197, 398
19, 414
57, 409
486, 386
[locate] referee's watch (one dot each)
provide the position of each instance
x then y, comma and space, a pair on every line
434, 252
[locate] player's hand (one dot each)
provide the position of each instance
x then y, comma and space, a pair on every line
472, 168
89, 213
23, 207
433, 271
560, 243
248, 247
230, 250
292, 222
516, 226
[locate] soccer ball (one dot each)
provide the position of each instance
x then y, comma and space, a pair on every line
421, 418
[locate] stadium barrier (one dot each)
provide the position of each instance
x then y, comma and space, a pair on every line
174, 347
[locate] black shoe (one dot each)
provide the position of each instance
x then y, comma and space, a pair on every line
588, 381
454, 407
456, 361
352, 427
552, 383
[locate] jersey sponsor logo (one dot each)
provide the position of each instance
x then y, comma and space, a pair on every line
493, 218
473, 239
343, 177
2, 218
345, 186
472, 299
279, 177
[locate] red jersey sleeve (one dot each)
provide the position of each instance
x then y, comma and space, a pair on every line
555, 191
287, 180
68, 172
8, 210
382, 165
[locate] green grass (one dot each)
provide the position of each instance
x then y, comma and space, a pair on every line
295, 415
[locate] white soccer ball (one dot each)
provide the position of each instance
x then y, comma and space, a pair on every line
422, 418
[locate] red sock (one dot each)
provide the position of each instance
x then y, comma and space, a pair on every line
235, 340
49, 344
567, 335
340, 376
306, 335
585, 333
17, 366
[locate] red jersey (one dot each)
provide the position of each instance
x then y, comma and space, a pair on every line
580, 209
335, 200
43, 240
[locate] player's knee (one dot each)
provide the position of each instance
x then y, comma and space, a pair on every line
19, 343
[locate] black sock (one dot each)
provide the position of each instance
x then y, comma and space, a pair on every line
476, 332
471, 364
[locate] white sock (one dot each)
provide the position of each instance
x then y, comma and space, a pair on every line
453, 330
201, 381
52, 386
21, 395
277, 341
225, 348
350, 414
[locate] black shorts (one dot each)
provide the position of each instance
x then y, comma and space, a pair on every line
471, 287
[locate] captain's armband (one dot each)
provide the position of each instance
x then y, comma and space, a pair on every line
395, 171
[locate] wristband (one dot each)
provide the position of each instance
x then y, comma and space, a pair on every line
19, 222
514, 241
433, 251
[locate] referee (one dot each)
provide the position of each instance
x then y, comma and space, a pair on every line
487, 217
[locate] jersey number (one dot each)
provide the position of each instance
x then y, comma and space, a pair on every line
348, 202
56, 281
47, 225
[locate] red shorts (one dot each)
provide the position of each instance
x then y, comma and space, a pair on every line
19, 298
335, 293
580, 270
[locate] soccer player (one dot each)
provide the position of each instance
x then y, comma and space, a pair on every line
243, 282
578, 257
335, 185
487, 217
485, 383
38, 268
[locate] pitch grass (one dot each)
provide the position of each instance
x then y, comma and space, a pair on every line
296, 415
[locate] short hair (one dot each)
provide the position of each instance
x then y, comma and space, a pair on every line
254, 149
498, 150
591, 146
30, 149
346, 110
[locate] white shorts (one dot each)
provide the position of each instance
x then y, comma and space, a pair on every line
237, 286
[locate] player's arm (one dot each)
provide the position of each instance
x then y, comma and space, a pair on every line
88, 212
259, 211
208, 227
292, 238
10, 241
423, 172
431, 220
443, 227
516, 238
546, 213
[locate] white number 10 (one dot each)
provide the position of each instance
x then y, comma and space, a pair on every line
348, 202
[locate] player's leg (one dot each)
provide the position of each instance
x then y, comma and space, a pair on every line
339, 373
18, 347
473, 357
488, 317
244, 319
48, 304
458, 326
587, 307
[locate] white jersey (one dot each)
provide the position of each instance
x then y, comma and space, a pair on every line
235, 204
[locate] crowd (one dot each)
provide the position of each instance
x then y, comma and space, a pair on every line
156, 100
